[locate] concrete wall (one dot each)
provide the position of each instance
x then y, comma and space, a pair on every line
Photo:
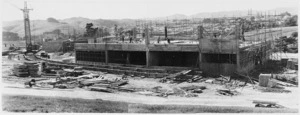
218, 46
116, 47
174, 47
206, 46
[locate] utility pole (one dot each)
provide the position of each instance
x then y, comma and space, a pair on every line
27, 27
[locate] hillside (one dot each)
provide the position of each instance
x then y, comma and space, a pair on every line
66, 25
78, 23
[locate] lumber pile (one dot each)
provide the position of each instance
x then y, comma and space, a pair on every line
26, 69
119, 83
101, 89
184, 72
182, 77
33, 68
20, 70
194, 88
227, 92
267, 104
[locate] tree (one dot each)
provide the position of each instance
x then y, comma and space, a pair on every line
291, 21
120, 30
206, 20
116, 30
295, 34
285, 14
106, 32
56, 31
53, 20
90, 31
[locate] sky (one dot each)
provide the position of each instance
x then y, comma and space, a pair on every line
132, 9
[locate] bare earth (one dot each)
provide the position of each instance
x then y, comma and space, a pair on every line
208, 97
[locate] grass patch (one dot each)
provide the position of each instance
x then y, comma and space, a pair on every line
142, 108
51, 104
24, 103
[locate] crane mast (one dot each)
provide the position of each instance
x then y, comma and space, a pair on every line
27, 28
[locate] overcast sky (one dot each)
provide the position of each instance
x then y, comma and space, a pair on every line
133, 9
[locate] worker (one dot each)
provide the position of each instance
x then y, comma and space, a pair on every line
30, 83
215, 35
123, 38
130, 39
158, 40
169, 41
124, 77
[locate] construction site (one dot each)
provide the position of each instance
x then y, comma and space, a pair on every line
249, 61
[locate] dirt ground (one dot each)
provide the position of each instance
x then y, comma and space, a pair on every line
44, 104
15, 86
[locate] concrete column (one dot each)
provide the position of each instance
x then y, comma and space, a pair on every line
128, 58
75, 51
148, 58
200, 36
237, 34
106, 53
147, 37
106, 57
147, 47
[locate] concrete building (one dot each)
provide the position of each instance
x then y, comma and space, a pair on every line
211, 55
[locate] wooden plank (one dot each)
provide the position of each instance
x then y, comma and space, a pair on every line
179, 73
264, 102
101, 89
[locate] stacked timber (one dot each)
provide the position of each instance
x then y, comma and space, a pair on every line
33, 68
20, 70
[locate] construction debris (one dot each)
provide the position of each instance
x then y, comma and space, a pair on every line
194, 88
289, 78
184, 72
267, 104
182, 77
227, 92
195, 78
273, 90
101, 89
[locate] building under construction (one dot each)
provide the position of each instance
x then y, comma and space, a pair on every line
222, 47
